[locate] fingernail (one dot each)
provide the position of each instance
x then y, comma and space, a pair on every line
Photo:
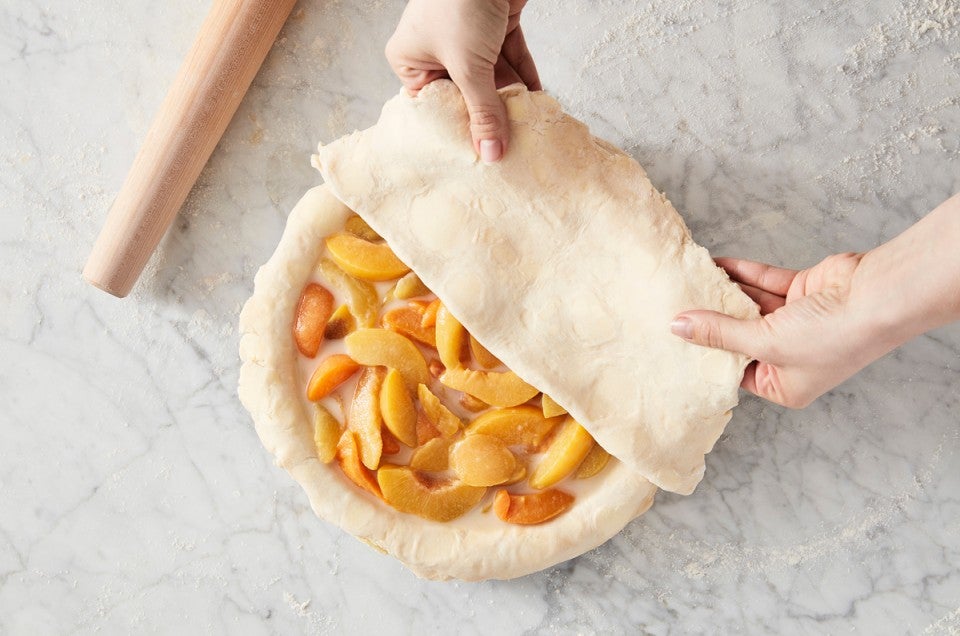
683, 327
490, 150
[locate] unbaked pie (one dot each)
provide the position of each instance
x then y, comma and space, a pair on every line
456, 430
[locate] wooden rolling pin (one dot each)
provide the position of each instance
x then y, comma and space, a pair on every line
232, 44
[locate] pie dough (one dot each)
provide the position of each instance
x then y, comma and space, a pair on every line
474, 547
562, 260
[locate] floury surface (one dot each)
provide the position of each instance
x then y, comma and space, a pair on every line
135, 493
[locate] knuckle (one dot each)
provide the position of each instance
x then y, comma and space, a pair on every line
484, 121
414, 78
708, 333
763, 277
844, 262
770, 348
391, 52
476, 64
772, 386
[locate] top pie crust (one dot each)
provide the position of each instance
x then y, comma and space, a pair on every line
562, 259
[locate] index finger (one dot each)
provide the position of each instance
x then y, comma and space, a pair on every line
517, 54
760, 275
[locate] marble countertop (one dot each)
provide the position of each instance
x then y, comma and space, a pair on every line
134, 493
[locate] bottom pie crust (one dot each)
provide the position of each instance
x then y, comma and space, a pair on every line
475, 547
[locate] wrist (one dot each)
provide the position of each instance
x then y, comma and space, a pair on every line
888, 301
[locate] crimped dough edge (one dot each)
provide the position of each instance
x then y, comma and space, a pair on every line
269, 388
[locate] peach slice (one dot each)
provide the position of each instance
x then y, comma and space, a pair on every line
566, 451
332, 372
439, 415
416, 493
435, 367
313, 312
363, 259
391, 445
482, 460
364, 302
409, 286
365, 419
426, 431
326, 433
551, 408
429, 318
433, 456
382, 347
518, 475
471, 403
595, 461
483, 357
531, 509
451, 337
348, 457
397, 409
516, 426
406, 321
358, 227
340, 324
496, 389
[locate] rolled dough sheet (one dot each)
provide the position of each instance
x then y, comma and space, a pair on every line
562, 259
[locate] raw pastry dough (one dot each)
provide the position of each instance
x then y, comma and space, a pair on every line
562, 260
473, 547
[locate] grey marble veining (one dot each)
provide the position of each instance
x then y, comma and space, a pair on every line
134, 494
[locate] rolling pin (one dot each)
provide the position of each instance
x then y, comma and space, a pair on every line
232, 44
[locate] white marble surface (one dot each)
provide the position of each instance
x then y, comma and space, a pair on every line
134, 494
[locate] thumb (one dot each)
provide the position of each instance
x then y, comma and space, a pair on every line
488, 116
719, 331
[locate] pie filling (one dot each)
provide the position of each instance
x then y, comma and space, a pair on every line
414, 410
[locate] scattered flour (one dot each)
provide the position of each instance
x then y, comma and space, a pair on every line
854, 534
948, 624
315, 623
299, 607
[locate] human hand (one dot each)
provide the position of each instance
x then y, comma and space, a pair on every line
476, 43
808, 339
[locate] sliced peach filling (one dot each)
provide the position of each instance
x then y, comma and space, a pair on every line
340, 324
483, 460
407, 321
365, 419
415, 492
523, 426
348, 456
551, 408
568, 448
496, 389
440, 416
530, 509
382, 347
326, 433
332, 372
397, 408
483, 357
365, 259
414, 386
313, 312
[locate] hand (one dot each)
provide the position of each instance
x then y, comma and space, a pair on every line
808, 339
476, 43
821, 325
